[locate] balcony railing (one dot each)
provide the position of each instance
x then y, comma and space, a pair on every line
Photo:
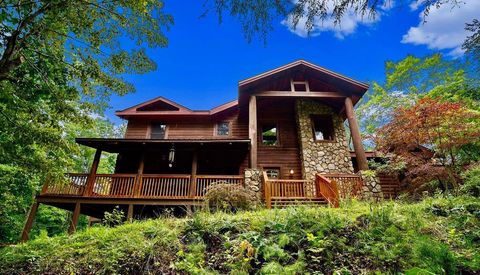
151, 186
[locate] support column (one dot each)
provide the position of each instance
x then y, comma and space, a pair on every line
130, 213
138, 181
29, 222
93, 171
193, 179
356, 137
73, 223
252, 130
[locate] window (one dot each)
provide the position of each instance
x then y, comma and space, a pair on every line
269, 134
223, 129
158, 130
300, 86
273, 172
322, 127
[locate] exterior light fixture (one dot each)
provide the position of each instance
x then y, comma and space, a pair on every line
171, 156
291, 171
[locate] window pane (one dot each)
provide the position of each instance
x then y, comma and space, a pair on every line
273, 173
158, 131
269, 134
323, 127
223, 129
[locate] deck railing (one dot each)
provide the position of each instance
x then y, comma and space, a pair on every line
292, 189
165, 186
140, 186
75, 188
204, 182
349, 185
331, 187
328, 189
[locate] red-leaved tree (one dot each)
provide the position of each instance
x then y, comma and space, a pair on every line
427, 137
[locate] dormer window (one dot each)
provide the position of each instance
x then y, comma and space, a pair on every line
223, 129
158, 130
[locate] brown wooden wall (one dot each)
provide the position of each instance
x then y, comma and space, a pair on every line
185, 128
286, 155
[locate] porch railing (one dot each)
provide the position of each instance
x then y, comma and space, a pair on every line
349, 185
140, 186
331, 187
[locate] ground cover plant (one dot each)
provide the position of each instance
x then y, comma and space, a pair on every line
436, 235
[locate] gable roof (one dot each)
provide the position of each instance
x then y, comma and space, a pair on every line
329, 82
141, 110
356, 85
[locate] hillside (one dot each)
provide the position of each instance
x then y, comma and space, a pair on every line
437, 235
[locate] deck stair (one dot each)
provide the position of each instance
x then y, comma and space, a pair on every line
326, 189
286, 202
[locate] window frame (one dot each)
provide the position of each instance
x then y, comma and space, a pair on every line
293, 83
215, 129
150, 127
279, 168
323, 116
277, 144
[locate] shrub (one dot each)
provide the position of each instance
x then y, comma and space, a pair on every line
471, 185
229, 197
114, 218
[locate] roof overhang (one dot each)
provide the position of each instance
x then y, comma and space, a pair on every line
333, 83
182, 111
116, 145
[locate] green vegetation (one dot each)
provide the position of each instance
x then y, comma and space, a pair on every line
60, 60
224, 196
436, 235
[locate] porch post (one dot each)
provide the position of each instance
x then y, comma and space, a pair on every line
252, 130
193, 179
91, 176
29, 222
73, 223
355, 133
130, 213
138, 181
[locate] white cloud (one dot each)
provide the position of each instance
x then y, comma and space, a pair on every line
348, 24
444, 28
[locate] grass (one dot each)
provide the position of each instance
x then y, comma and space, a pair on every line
437, 235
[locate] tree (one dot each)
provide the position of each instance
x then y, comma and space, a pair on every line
59, 62
256, 16
412, 78
427, 136
472, 43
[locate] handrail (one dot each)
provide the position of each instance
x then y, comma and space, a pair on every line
348, 185
291, 189
328, 189
169, 186
266, 190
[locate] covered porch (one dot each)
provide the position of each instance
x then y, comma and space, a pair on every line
150, 175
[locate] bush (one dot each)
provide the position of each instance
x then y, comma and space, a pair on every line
471, 185
229, 197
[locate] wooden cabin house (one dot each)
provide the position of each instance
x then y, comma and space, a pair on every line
283, 137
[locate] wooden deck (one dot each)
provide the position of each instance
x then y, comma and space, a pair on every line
130, 191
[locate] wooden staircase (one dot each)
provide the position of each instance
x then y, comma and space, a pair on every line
286, 202
283, 193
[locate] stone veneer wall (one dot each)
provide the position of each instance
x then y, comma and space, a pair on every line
323, 156
253, 182
371, 185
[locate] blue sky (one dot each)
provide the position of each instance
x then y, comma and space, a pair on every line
205, 60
